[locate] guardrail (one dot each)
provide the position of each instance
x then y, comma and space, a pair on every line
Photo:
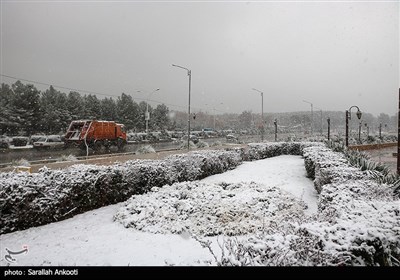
372, 146
79, 158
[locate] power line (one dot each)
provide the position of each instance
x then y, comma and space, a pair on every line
45, 84
86, 91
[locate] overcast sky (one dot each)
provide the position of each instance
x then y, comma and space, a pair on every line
333, 55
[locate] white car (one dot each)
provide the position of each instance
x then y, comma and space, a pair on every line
49, 142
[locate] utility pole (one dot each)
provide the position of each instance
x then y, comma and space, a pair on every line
262, 113
189, 72
398, 138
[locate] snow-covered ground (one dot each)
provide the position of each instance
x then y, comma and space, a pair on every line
285, 172
94, 238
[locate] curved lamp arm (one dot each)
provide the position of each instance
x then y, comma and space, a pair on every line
359, 114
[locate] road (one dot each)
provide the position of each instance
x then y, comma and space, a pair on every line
12, 156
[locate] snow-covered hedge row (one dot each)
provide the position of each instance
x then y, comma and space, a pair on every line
256, 151
28, 200
358, 222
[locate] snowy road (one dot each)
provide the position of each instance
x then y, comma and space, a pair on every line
92, 238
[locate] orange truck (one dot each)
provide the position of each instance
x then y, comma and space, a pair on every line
95, 134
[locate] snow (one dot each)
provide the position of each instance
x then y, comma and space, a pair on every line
93, 238
261, 203
285, 172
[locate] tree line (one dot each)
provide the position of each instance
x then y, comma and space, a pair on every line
25, 110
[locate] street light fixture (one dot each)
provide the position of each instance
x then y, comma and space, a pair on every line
262, 113
189, 72
147, 114
348, 117
312, 116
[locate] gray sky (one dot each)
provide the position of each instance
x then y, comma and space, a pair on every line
334, 55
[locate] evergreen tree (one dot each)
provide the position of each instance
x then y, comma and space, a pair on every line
160, 118
108, 109
92, 107
27, 106
9, 117
128, 111
75, 105
55, 114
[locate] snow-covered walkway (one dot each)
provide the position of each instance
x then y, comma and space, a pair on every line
285, 172
93, 238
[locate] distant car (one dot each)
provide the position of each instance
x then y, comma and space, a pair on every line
231, 138
5, 142
19, 141
193, 138
49, 142
35, 138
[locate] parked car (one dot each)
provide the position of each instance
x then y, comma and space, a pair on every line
35, 138
193, 138
49, 142
19, 141
5, 142
231, 138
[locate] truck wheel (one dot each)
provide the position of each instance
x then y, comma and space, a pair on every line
97, 145
121, 144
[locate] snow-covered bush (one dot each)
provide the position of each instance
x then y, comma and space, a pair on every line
183, 145
216, 143
210, 209
21, 162
147, 149
67, 158
202, 144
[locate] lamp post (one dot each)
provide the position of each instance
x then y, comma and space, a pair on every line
329, 128
312, 116
189, 72
262, 113
348, 117
320, 110
147, 114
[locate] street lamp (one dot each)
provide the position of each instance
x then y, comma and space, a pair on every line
189, 72
329, 127
312, 116
321, 118
348, 117
262, 113
147, 114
